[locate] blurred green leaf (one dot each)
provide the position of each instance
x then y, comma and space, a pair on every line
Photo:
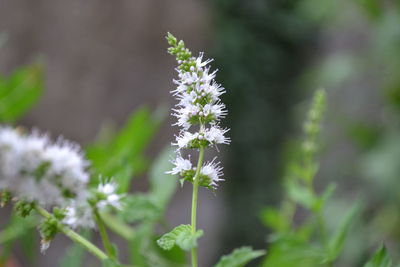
162, 185
121, 154
16, 228
380, 259
338, 239
365, 136
239, 257
321, 201
140, 207
371, 7
20, 91
273, 218
182, 236
300, 194
21, 229
291, 251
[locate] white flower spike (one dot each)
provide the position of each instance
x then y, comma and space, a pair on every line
199, 109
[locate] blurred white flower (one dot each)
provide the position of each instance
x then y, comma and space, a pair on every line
34, 169
108, 196
79, 214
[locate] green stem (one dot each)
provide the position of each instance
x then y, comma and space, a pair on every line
74, 236
319, 215
103, 234
194, 202
322, 229
117, 226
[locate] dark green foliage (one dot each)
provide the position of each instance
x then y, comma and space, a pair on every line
307, 242
380, 259
260, 48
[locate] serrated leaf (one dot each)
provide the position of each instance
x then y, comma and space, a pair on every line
188, 240
20, 91
182, 236
380, 258
239, 257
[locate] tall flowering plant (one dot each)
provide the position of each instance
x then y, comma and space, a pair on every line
198, 112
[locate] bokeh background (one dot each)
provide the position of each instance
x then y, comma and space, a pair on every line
104, 59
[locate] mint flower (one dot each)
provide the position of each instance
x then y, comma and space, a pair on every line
106, 192
198, 112
79, 215
32, 168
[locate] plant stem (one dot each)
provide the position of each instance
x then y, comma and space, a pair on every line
194, 202
103, 234
74, 236
118, 226
321, 225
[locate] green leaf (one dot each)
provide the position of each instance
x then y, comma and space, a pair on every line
182, 236
176, 256
20, 91
300, 194
162, 185
273, 218
140, 207
120, 155
338, 239
186, 240
150, 207
17, 228
372, 7
293, 251
379, 259
321, 201
21, 229
239, 257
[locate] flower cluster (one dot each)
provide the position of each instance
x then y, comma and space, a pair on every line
52, 174
34, 169
199, 107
